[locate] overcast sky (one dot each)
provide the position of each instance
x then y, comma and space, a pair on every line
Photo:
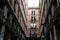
33, 3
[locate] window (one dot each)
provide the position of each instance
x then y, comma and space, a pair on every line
33, 12
33, 32
33, 19
33, 16
33, 24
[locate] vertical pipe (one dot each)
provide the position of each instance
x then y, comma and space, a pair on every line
52, 10
18, 31
50, 36
57, 2
54, 29
5, 11
2, 32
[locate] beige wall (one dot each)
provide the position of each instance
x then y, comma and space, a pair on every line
19, 12
28, 15
43, 9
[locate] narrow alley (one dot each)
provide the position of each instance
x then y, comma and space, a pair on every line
29, 19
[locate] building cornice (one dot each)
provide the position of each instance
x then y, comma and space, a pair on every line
33, 8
